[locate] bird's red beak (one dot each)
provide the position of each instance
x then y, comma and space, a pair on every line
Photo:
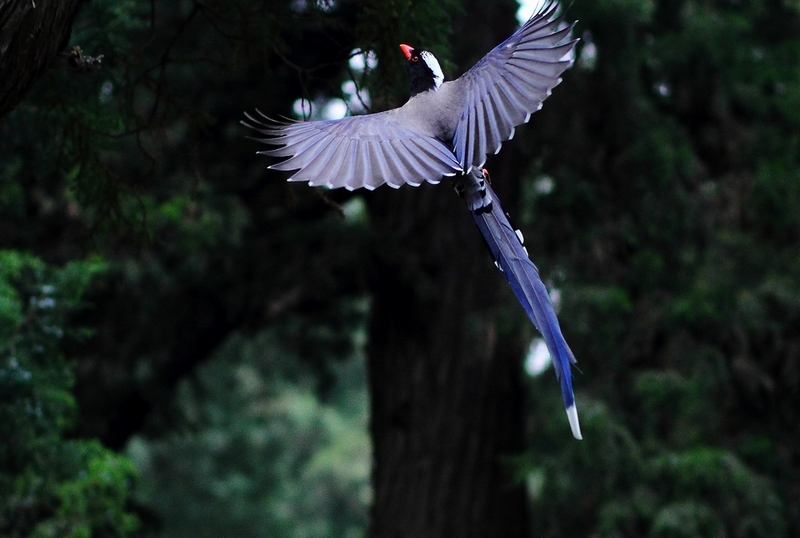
407, 51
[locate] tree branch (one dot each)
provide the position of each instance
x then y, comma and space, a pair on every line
74, 60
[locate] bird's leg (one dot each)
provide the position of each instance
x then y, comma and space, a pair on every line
485, 173
471, 187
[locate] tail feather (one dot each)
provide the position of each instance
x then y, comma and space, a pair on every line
511, 257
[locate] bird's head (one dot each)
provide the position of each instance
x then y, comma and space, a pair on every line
423, 70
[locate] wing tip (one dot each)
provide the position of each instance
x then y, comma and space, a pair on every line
373, 186
574, 424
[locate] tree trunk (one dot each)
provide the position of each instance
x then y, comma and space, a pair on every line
445, 392
32, 32
446, 388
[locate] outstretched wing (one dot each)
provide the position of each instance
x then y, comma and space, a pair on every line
358, 151
507, 85
511, 257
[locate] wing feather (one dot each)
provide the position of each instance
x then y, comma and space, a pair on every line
431, 155
329, 170
397, 173
313, 148
414, 163
348, 169
386, 174
545, 73
324, 160
510, 83
354, 152
479, 132
530, 94
364, 165
497, 125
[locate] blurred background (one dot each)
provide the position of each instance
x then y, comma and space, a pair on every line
192, 347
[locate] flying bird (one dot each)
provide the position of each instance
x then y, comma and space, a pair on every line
446, 129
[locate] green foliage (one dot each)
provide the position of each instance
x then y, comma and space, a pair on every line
680, 295
50, 485
261, 453
76, 122
657, 491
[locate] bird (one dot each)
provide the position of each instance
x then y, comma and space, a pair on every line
446, 129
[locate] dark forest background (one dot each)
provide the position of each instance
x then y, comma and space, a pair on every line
192, 347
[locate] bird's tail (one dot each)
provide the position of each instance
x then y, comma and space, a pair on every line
511, 257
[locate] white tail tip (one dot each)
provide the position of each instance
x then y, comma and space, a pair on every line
572, 415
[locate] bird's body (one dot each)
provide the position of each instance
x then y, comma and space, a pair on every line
447, 128
435, 113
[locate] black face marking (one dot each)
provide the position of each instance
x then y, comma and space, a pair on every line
419, 74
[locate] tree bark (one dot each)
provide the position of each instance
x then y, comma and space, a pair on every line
446, 393
446, 387
31, 35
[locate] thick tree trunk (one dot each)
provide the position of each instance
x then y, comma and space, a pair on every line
446, 394
446, 388
31, 35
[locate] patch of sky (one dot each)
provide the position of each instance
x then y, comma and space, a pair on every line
527, 8
537, 359
588, 55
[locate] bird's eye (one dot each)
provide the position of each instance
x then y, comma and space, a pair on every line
415, 59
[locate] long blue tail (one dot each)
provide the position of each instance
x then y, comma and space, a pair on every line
511, 257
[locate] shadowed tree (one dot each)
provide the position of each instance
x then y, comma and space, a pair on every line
33, 39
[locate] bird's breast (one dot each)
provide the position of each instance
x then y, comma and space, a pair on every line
435, 113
